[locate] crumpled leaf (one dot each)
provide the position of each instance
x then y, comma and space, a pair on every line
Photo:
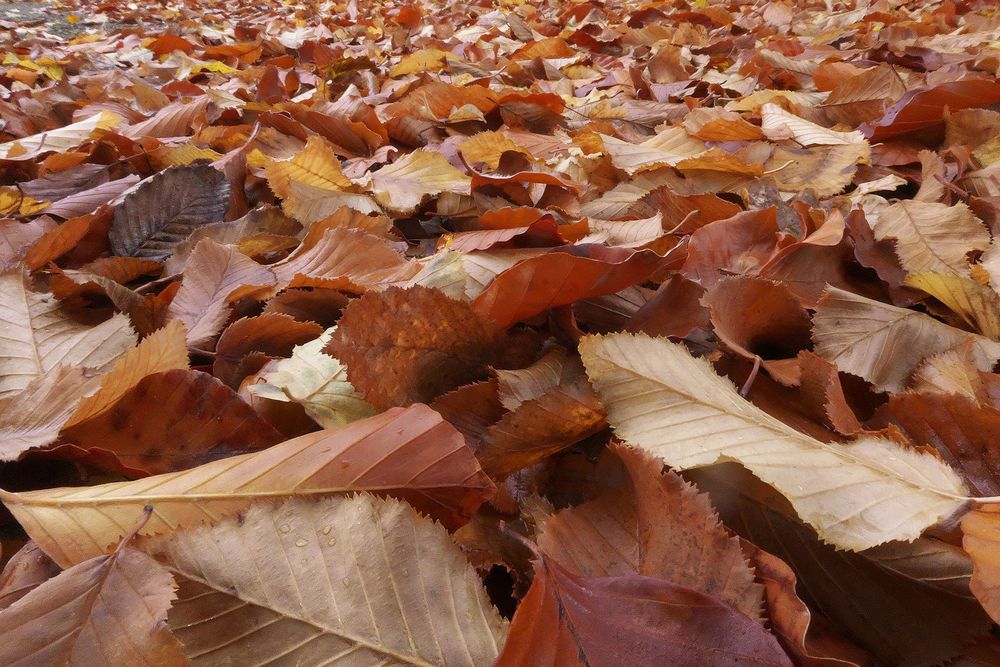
317, 382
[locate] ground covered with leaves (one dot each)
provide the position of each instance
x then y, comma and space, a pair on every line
533, 333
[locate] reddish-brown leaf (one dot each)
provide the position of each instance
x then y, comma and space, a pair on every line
629, 620
409, 346
170, 421
559, 278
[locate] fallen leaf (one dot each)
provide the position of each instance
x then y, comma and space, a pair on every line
559, 278
882, 343
262, 567
317, 382
981, 535
37, 335
212, 274
932, 237
34, 416
681, 411
404, 184
408, 346
93, 613
570, 620
161, 351
411, 453
655, 524
24, 572
161, 212
169, 420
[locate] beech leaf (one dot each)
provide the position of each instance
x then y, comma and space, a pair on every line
409, 452
109, 610
358, 577
162, 211
37, 335
630, 619
856, 495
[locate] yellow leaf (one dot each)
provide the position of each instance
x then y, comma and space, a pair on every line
487, 147
316, 165
15, 202
172, 156
977, 304
424, 60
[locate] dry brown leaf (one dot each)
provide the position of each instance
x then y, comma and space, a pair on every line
37, 335
932, 237
569, 620
975, 303
407, 346
981, 538
655, 524
357, 577
404, 184
411, 453
885, 344
161, 351
665, 149
212, 274
109, 610
163, 210
168, 421
342, 253
560, 417
25, 571
34, 416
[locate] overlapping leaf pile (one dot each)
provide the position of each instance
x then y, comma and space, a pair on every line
528, 334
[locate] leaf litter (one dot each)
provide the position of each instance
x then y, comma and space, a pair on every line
500, 333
